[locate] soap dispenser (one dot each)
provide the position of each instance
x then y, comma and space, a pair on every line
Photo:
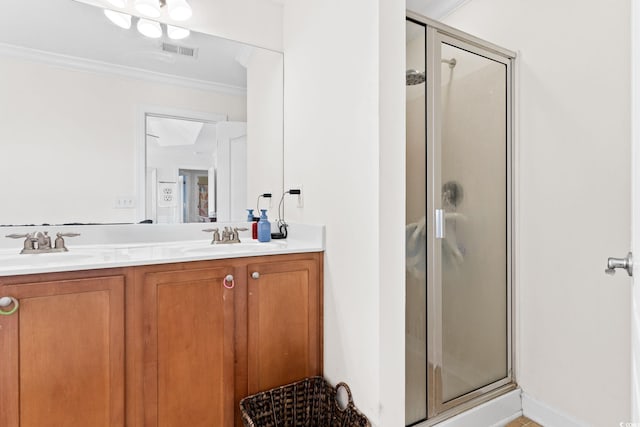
254, 223
264, 227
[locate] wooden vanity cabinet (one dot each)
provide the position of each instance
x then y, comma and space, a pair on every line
194, 347
205, 346
62, 352
187, 355
284, 323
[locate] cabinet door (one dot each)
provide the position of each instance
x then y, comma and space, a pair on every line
285, 327
188, 349
62, 354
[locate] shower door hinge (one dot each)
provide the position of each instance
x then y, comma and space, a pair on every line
439, 224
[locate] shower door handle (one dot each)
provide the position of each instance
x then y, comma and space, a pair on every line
626, 263
439, 224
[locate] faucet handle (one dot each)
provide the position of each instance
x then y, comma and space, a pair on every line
59, 242
19, 236
216, 234
29, 241
67, 234
235, 235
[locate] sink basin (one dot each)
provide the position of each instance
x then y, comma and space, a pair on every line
244, 247
28, 260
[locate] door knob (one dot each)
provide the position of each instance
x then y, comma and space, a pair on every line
626, 263
255, 275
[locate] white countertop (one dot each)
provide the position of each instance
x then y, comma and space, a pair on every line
109, 246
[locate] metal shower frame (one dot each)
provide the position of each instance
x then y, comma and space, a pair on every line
436, 34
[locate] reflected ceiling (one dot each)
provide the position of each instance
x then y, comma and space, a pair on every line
79, 30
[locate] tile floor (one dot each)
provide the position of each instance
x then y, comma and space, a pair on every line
523, 421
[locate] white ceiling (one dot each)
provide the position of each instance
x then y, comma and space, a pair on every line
434, 9
76, 29
171, 132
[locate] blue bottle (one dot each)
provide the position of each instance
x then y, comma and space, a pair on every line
264, 227
249, 215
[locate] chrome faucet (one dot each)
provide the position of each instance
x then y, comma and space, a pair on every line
40, 242
229, 235
43, 240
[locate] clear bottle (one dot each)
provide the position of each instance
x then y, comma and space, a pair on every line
264, 227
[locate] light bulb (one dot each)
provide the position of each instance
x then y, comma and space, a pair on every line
122, 20
151, 29
150, 8
177, 33
179, 10
118, 3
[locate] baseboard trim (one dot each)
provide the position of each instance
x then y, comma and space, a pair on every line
494, 413
546, 415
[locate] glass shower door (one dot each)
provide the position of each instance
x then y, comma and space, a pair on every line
458, 221
416, 230
470, 284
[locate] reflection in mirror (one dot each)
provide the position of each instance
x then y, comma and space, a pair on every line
180, 165
80, 106
195, 169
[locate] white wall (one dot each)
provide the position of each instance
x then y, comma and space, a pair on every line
265, 91
574, 86
344, 130
256, 22
391, 205
331, 131
68, 139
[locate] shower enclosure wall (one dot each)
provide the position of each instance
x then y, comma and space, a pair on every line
459, 272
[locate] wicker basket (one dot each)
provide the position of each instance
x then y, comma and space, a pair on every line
307, 403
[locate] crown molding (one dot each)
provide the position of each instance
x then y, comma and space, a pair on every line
435, 9
89, 65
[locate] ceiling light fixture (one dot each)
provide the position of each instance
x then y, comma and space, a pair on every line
122, 20
151, 29
179, 10
177, 33
150, 8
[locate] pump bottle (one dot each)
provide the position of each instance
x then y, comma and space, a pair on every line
264, 227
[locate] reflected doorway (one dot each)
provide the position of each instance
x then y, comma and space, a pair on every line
194, 195
195, 168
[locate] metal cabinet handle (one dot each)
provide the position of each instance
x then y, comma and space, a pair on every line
229, 282
6, 302
255, 275
625, 263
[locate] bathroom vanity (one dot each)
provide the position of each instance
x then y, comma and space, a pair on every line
145, 342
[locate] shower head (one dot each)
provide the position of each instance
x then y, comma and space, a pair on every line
415, 77
452, 62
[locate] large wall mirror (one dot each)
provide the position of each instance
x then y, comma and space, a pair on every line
100, 124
